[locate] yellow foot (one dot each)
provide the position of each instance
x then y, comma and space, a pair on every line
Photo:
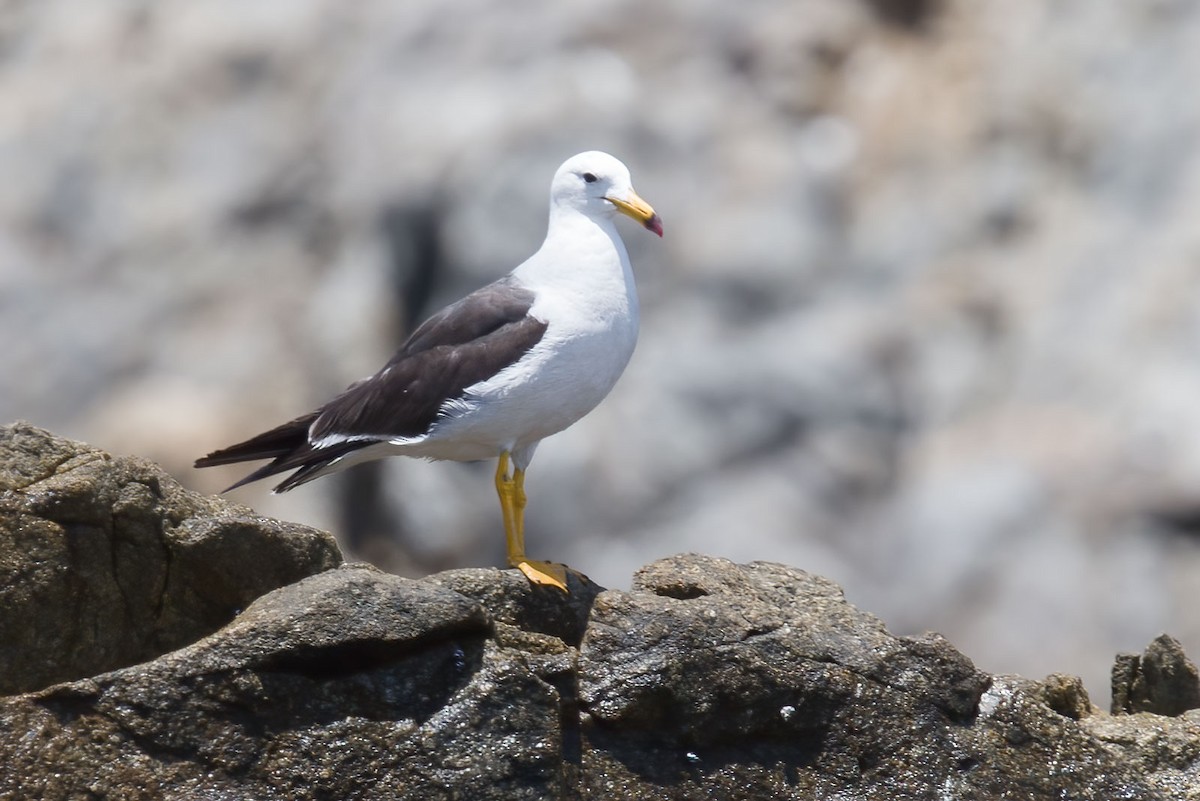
550, 573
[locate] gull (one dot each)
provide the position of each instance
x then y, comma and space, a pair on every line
495, 373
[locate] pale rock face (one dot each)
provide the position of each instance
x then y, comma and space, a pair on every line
924, 320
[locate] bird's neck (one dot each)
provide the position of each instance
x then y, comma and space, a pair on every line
587, 251
583, 266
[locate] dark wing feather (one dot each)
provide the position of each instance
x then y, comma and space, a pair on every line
308, 459
281, 444
405, 398
477, 315
279, 441
463, 344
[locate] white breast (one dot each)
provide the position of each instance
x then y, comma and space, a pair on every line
589, 304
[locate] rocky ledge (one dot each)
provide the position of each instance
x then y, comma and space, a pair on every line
145, 669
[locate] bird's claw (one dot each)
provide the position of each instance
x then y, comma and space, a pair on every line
547, 573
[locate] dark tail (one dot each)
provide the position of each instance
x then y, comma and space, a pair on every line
279, 441
286, 445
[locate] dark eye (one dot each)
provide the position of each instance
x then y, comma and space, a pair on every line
591, 179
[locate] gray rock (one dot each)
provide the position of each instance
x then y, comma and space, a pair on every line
762, 682
707, 680
1164, 749
347, 683
1161, 680
511, 600
107, 561
1066, 696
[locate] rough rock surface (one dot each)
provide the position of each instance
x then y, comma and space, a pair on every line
1161, 680
107, 561
708, 679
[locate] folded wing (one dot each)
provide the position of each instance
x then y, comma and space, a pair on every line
463, 344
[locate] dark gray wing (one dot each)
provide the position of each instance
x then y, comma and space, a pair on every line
482, 312
463, 344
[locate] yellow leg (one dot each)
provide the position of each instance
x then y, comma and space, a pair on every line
505, 488
511, 490
519, 504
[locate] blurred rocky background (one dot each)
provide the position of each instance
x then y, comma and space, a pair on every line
925, 319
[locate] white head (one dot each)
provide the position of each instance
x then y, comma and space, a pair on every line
599, 186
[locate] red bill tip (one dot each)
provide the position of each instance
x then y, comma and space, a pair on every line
654, 224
